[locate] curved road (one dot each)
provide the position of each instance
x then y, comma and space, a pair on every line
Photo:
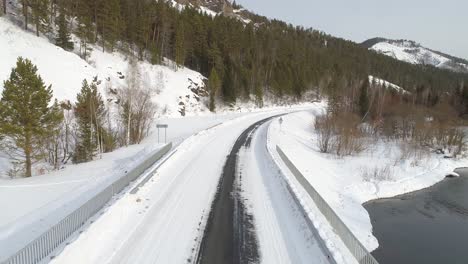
164, 222
253, 217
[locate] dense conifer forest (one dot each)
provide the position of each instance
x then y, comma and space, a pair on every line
244, 59
250, 59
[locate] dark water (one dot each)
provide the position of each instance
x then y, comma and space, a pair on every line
428, 226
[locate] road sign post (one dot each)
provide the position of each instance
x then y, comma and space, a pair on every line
165, 126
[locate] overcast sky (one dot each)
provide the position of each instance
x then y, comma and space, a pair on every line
438, 24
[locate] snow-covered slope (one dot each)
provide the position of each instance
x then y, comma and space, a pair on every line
414, 53
174, 90
214, 8
384, 83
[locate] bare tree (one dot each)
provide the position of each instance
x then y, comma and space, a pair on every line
136, 109
324, 128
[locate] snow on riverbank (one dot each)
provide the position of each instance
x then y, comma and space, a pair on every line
347, 183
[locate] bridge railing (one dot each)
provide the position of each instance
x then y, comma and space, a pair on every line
46, 243
352, 243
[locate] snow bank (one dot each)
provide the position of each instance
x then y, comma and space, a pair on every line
348, 183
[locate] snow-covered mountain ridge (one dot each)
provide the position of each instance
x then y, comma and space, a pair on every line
216, 7
414, 53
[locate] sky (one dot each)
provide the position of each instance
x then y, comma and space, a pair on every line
437, 24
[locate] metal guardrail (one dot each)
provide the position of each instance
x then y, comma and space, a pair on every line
352, 243
46, 243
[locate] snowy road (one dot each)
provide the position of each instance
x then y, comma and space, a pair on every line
282, 232
164, 221
229, 236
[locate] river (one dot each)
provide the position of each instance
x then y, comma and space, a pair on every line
429, 226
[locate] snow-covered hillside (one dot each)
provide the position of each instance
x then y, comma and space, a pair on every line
214, 8
414, 53
175, 91
381, 82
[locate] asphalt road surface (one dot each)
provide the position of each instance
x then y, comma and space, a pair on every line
229, 236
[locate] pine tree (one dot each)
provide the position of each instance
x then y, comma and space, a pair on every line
464, 100
155, 55
364, 99
4, 5
40, 12
85, 28
179, 46
25, 10
334, 99
215, 59
63, 39
258, 91
89, 111
25, 115
109, 23
214, 84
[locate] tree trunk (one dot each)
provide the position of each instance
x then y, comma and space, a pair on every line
56, 153
154, 34
25, 14
128, 126
37, 26
27, 153
4, 6
52, 13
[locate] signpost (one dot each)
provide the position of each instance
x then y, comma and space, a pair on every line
165, 126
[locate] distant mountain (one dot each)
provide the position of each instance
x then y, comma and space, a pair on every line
412, 52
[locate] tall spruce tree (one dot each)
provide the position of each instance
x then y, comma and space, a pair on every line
179, 45
364, 99
214, 84
26, 118
282, 59
109, 22
85, 27
4, 5
63, 39
89, 112
40, 12
25, 10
